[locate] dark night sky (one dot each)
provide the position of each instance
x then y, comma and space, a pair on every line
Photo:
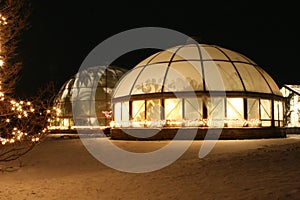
62, 33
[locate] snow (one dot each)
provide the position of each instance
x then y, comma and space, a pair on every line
62, 168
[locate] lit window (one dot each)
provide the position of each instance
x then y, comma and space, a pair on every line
265, 112
278, 113
153, 110
216, 112
235, 112
117, 113
125, 111
138, 110
193, 109
235, 108
173, 109
253, 109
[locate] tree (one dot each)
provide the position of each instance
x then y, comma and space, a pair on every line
22, 122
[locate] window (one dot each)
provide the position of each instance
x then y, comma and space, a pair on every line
216, 112
235, 108
125, 114
173, 112
235, 112
138, 110
153, 110
278, 113
265, 112
117, 113
193, 109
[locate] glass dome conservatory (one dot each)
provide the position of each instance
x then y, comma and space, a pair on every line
84, 101
198, 86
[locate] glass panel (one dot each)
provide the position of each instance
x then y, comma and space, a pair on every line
67, 92
125, 111
235, 112
81, 108
278, 110
216, 112
83, 79
153, 110
145, 62
83, 94
281, 110
117, 114
209, 53
100, 94
66, 108
193, 112
81, 121
271, 82
124, 87
184, 76
173, 112
138, 110
235, 108
253, 110
187, 53
193, 109
102, 122
103, 111
234, 56
164, 56
221, 75
252, 79
144, 84
266, 112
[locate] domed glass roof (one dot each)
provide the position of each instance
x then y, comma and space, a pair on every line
199, 68
85, 95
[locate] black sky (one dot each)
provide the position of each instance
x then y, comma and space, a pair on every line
62, 33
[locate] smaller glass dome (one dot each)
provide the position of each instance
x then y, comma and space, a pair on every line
84, 101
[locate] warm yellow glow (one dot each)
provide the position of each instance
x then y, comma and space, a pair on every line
138, 110
1, 63
235, 108
173, 109
112, 124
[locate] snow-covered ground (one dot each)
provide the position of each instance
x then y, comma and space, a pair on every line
61, 168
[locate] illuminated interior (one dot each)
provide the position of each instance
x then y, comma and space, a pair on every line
84, 101
292, 105
184, 86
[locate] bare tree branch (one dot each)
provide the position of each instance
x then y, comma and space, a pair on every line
23, 123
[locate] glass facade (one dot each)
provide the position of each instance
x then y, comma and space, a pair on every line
189, 112
197, 85
198, 67
85, 99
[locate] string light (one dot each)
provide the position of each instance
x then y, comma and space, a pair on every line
17, 110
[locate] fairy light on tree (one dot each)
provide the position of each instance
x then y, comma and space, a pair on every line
22, 122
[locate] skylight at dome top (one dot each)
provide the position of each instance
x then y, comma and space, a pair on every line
84, 101
197, 85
